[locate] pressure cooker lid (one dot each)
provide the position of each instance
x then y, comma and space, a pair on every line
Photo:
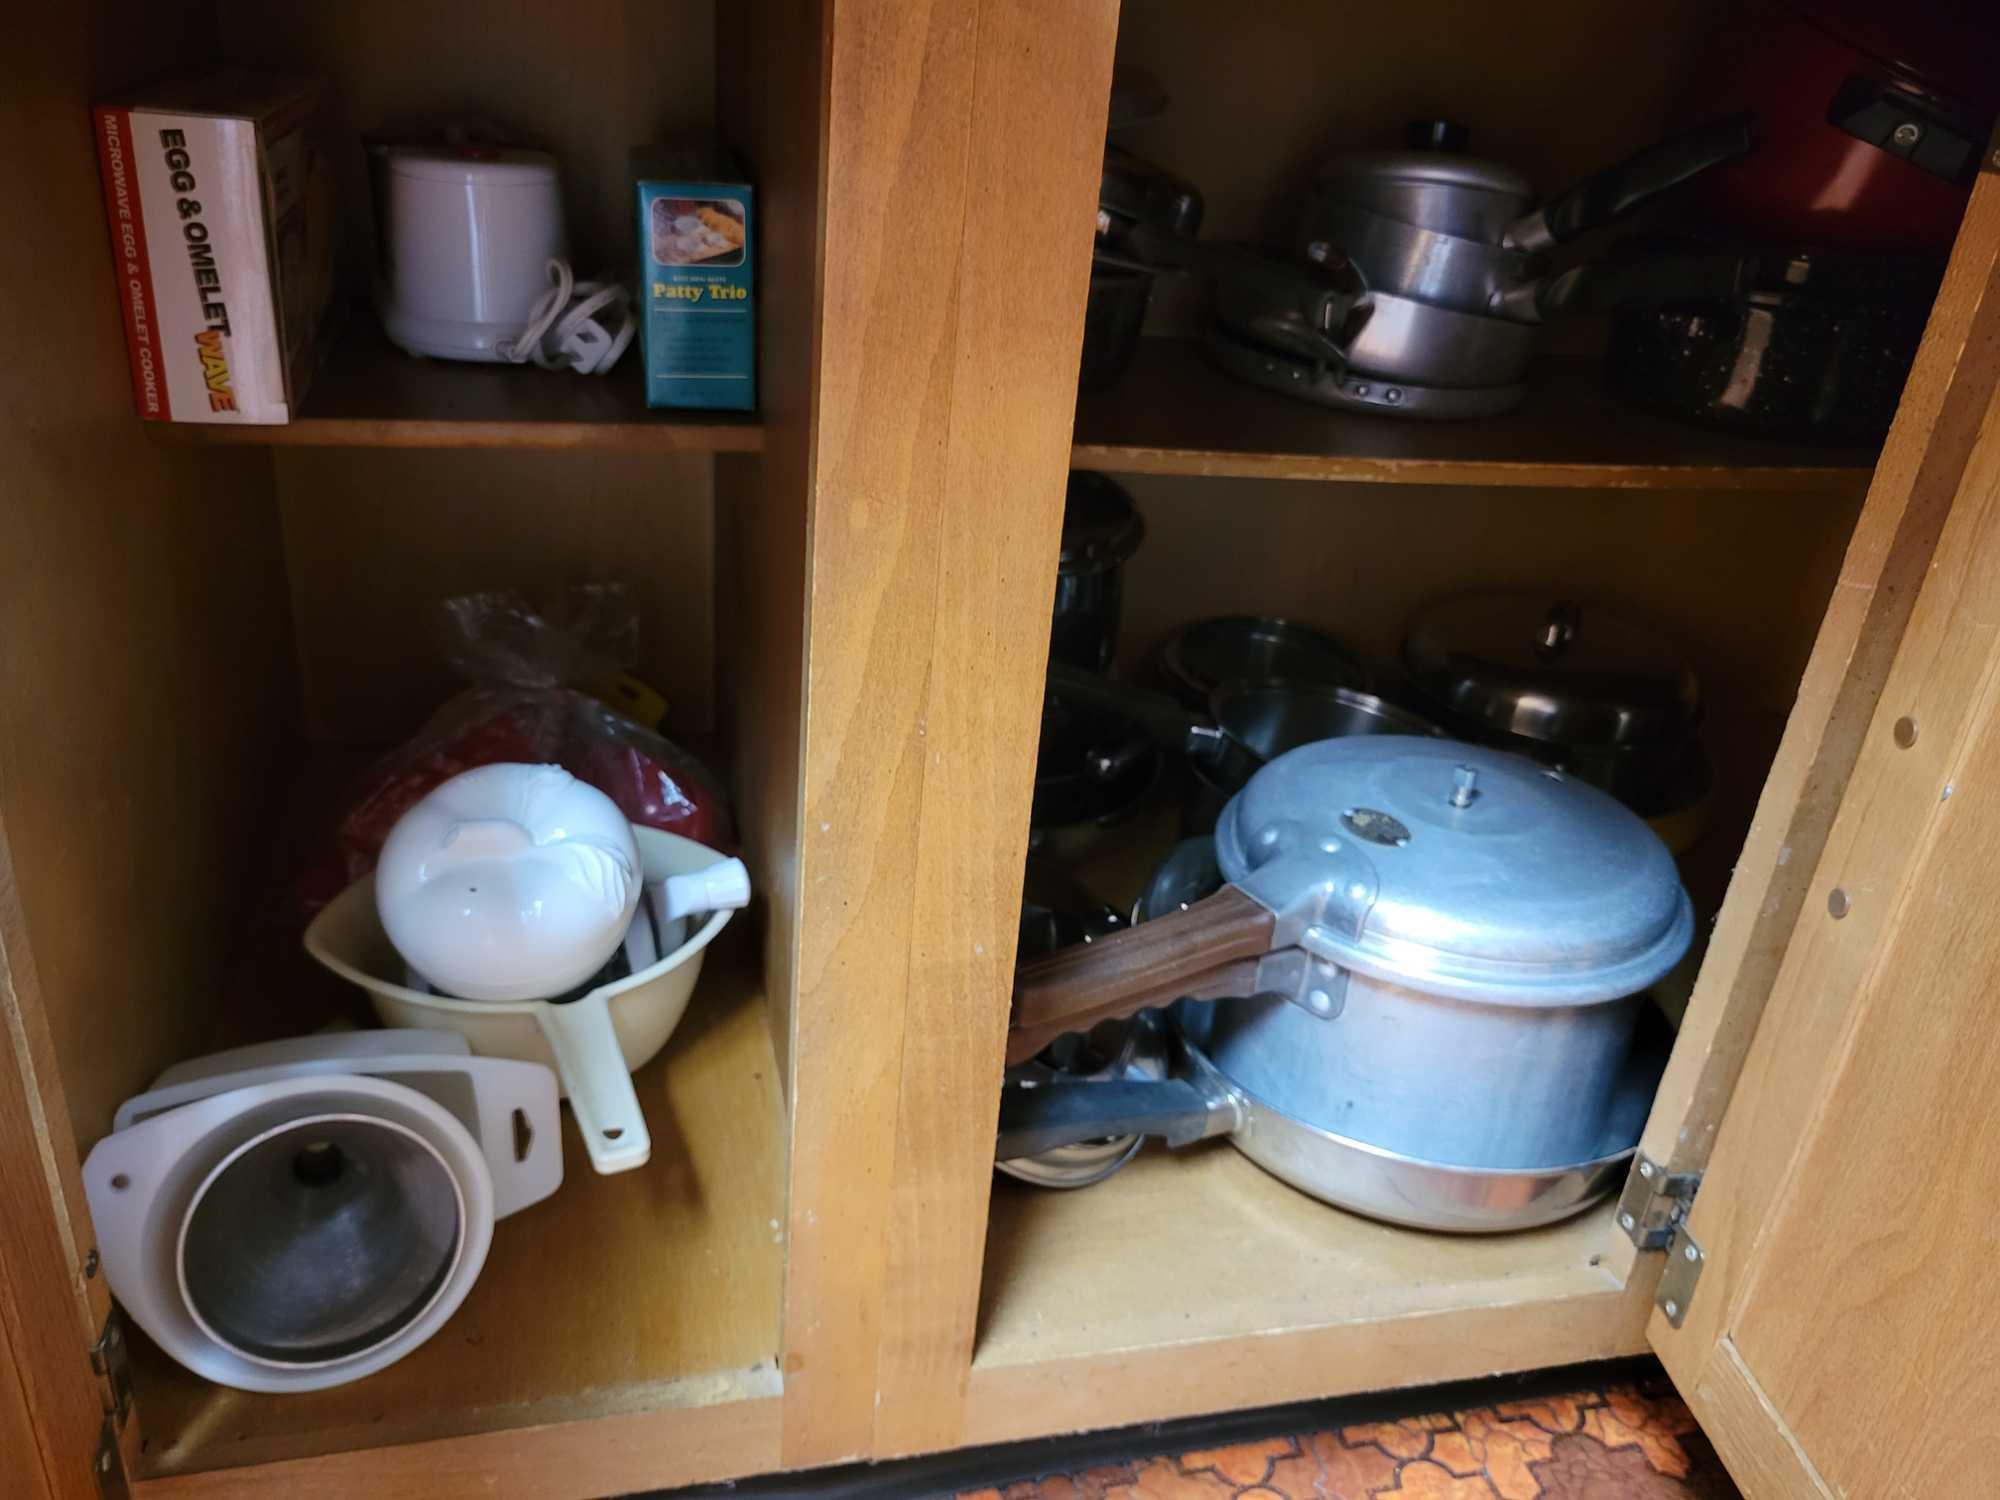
1460, 870
1101, 527
1552, 670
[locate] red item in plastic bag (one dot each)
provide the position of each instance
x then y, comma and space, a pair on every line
526, 715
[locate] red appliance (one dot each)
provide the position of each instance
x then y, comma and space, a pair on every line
1872, 121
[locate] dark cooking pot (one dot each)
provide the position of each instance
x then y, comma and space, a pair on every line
1095, 768
1057, 912
1604, 697
1113, 316
1197, 659
1405, 920
1805, 345
1273, 717
1100, 532
1166, 724
1145, 216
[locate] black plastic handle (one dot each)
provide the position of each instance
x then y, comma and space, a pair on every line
1649, 281
1159, 715
1616, 191
1171, 724
1034, 1120
1313, 309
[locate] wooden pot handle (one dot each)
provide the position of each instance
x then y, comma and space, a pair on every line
1208, 950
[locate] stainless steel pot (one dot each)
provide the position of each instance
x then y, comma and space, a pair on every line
1330, 384
1604, 697
1197, 659
1200, 1103
1451, 250
1455, 232
1406, 920
1273, 717
1163, 721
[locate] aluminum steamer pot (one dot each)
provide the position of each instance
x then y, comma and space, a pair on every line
1453, 252
1428, 954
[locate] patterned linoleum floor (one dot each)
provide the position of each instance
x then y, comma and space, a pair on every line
1623, 1442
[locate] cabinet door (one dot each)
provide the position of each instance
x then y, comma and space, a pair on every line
1838, 1339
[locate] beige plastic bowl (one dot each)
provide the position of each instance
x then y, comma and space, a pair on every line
593, 1043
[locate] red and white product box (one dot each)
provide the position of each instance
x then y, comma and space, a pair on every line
220, 210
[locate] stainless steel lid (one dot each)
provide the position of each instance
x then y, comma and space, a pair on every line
1552, 670
1209, 654
1101, 527
1434, 168
1459, 870
1433, 185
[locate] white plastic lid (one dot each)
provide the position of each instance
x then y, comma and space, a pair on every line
472, 165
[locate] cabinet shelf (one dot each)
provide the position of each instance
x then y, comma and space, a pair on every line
1174, 413
652, 1292
371, 394
1193, 1280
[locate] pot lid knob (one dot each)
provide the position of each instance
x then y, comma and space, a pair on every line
1557, 630
1464, 786
1437, 135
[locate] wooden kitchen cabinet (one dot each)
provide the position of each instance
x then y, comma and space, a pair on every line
817, 1266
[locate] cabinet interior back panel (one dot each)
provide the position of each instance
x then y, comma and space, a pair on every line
587, 81
375, 537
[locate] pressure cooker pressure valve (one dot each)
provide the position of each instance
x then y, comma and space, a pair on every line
1464, 787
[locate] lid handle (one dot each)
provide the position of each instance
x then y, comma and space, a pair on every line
1558, 630
1437, 135
1464, 786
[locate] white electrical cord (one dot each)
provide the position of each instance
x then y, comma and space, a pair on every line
577, 338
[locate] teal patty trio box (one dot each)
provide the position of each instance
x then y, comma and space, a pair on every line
699, 334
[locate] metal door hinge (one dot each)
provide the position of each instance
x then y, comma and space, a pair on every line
1685, 1259
1654, 1202
109, 1360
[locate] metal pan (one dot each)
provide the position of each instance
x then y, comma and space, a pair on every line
1199, 1104
1353, 390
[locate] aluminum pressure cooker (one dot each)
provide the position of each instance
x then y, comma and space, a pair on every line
1428, 954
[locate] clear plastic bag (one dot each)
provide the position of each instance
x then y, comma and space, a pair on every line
527, 703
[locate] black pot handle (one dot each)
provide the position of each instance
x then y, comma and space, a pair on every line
1046, 1116
1312, 308
1609, 286
1616, 191
1161, 716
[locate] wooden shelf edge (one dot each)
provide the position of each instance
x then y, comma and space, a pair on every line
664, 435
1174, 413
577, 1460
1212, 464
1576, 1316
367, 393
